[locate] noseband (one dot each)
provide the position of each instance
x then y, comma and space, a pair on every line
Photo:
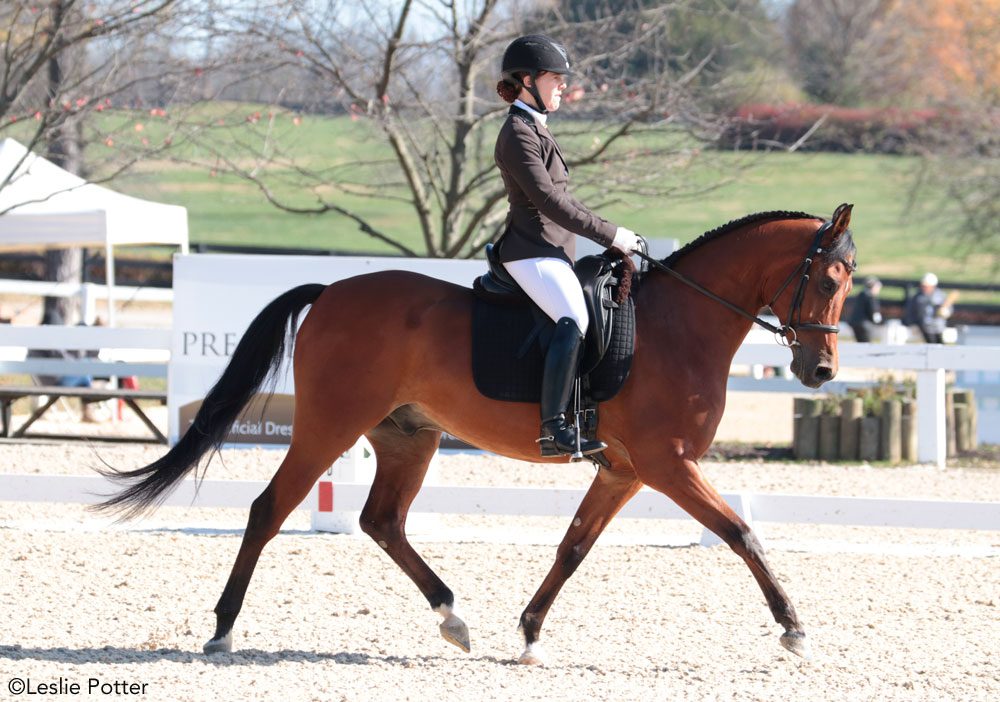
795, 312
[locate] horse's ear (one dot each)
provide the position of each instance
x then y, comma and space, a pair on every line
841, 219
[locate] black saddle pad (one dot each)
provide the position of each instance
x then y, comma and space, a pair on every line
505, 367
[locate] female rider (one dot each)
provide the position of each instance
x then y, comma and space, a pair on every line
538, 245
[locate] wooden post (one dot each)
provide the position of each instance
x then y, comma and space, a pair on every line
908, 427
962, 442
890, 441
949, 422
829, 437
850, 427
868, 439
973, 421
965, 420
798, 410
806, 438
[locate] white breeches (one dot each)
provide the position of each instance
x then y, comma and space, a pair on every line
553, 286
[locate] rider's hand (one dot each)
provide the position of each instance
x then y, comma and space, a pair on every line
625, 241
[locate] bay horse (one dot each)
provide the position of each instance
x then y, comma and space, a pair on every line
405, 378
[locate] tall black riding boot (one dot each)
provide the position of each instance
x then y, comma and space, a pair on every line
558, 437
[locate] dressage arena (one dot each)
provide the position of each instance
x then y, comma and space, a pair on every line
907, 614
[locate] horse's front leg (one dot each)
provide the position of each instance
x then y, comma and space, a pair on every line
609, 491
681, 479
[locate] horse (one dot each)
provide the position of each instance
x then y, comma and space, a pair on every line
407, 378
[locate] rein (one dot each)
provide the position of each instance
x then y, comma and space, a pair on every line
794, 314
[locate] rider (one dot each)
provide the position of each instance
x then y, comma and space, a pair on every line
538, 245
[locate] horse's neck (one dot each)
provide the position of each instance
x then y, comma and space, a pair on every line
741, 267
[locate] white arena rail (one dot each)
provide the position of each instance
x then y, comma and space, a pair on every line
327, 496
929, 361
87, 293
124, 351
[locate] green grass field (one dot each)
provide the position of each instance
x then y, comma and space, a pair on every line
225, 210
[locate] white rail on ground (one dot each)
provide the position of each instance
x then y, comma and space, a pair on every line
545, 502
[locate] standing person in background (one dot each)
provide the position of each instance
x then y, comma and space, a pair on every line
867, 310
929, 309
53, 317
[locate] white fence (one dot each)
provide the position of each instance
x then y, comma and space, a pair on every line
144, 352
87, 293
123, 351
545, 502
929, 361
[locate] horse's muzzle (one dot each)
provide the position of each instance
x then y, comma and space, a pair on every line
809, 374
823, 373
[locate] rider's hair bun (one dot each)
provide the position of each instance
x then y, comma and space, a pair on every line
507, 92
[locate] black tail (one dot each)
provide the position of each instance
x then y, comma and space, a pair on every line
257, 357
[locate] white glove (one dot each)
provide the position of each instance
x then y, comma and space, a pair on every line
625, 241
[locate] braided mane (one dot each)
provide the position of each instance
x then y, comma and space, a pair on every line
729, 226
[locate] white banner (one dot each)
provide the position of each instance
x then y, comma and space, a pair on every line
215, 299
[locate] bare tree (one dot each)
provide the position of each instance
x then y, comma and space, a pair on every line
941, 56
63, 59
79, 81
830, 47
422, 75
50, 78
956, 192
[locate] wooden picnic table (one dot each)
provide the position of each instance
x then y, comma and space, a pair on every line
10, 394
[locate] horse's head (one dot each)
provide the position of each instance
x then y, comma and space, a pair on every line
811, 302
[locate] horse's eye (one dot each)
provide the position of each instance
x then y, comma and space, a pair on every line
829, 286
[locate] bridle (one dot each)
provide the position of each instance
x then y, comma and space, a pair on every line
794, 322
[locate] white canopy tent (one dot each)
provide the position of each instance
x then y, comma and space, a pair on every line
44, 206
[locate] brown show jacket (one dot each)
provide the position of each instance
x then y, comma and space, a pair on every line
543, 219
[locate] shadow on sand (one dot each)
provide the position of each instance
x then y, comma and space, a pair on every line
114, 655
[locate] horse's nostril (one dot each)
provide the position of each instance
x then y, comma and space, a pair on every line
823, 373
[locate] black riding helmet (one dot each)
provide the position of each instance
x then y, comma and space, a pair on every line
533, 54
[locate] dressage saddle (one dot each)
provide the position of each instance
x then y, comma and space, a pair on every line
600, 277
510, 334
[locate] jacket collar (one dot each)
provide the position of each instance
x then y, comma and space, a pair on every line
540, 128
525, 107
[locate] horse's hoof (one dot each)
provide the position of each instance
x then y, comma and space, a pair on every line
533, 655
455, 632
795, 642
220, 645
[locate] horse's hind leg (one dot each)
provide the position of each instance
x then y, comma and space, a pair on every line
298, 472
403, 456
684, 483
609, 491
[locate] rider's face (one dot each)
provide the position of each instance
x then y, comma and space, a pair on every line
551, 87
